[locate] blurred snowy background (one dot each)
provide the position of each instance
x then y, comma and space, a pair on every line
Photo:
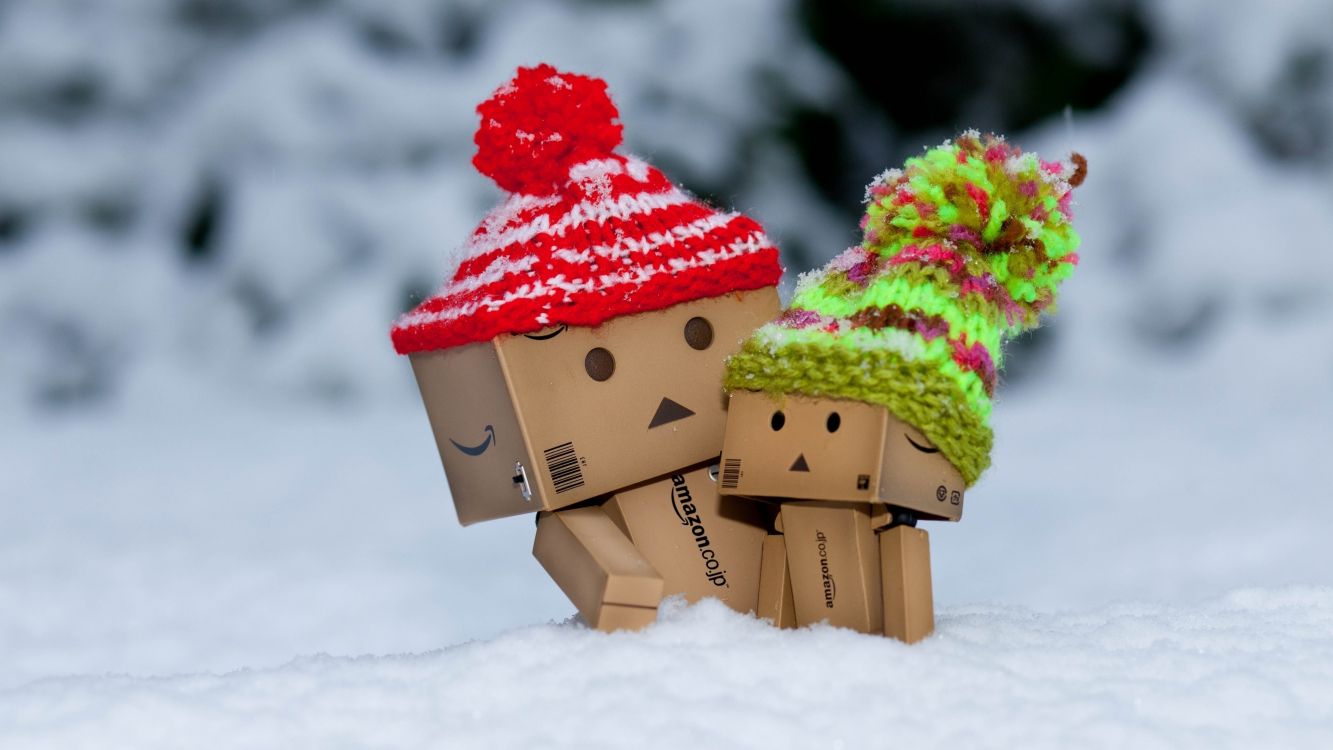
211, 211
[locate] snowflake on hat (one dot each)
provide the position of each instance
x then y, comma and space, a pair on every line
586, 234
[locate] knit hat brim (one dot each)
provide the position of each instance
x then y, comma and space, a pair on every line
749, 261
913, 390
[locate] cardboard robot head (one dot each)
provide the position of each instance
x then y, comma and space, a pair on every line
545, 420
578, 347
816, 448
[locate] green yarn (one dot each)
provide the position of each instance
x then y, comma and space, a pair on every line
902, 345
910, 389
964, 246
969, 315
997, 216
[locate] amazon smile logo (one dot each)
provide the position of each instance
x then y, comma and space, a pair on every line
480, 448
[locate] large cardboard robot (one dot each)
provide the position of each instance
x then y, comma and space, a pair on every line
572, 364
865, 407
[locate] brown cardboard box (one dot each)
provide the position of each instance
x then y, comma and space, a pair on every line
701, 543
775, 595
923, 481
598, 568
837, 450
833, 558
909, 607
614, 617
545, 420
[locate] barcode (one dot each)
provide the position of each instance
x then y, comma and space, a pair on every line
731, 473
562, 463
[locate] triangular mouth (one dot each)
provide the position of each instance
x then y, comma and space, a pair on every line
799, 464
667, 412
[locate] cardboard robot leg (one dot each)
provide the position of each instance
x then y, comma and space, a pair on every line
775, 598
833, 559
909, 607
702, 543
598, 568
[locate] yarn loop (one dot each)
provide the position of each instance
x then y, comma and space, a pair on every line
534, 128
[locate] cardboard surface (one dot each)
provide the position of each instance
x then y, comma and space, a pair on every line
593, 562
833, 559
476, 431
909, 606
701, 543
661, 410
802, 459
880, 516
871, 456
613, 617
583, 423
922, 481
775, 597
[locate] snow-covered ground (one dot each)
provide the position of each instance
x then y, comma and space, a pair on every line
1252, 669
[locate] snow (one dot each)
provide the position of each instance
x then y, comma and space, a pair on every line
1252, 669
222, 517
1089, 594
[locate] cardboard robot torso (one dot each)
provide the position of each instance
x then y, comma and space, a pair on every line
833, 558
702, 543
616, 559
863, 454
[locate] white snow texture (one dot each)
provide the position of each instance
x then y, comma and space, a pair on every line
228, 526
1254, 669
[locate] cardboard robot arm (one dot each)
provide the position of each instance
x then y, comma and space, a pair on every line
609, 581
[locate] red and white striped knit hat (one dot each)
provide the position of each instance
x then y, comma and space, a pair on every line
587, 234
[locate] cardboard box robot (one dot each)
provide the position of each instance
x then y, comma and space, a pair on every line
864, 408
572, 365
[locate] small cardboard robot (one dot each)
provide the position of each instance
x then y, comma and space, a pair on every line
572, 365
864, 408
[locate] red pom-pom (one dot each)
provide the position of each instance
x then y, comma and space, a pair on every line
539, 124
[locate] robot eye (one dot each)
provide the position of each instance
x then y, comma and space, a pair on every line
599, 364
698, 333
920, 447
779, 419
834, 422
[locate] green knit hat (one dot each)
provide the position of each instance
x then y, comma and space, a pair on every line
963, 247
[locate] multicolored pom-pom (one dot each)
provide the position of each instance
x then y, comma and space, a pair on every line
995, 219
